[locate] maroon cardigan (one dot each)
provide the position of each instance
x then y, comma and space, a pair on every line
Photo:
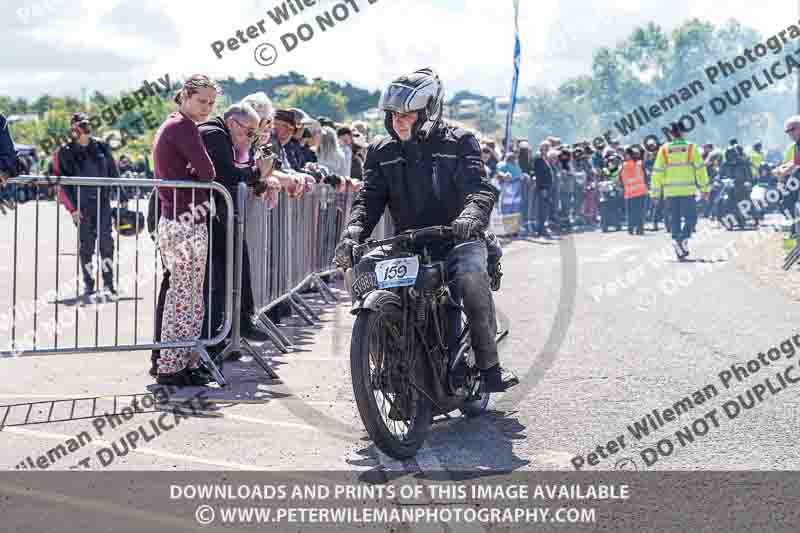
179, 154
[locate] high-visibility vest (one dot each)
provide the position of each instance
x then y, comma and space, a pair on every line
791, 155
632, 177
757, 160
679, 171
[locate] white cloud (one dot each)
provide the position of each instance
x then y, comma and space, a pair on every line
113, 44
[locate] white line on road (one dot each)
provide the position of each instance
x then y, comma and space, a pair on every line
252, 420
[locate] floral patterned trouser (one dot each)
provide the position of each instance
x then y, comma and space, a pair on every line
184, 247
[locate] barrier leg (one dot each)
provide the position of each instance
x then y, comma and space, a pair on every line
259, 358
325, 291
307, 307
210, 365
299, 310
237, 344
280, 340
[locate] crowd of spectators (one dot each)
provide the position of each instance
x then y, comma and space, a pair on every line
556, 188
272, 150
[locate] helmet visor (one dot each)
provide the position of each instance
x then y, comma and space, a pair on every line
400, 99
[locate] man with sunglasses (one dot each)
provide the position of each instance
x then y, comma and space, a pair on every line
228, 140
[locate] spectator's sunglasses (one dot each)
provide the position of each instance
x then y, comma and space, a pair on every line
252, 133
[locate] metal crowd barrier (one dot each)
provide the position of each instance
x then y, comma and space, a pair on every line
292, 249
42, 240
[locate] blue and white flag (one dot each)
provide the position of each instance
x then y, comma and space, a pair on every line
515, 82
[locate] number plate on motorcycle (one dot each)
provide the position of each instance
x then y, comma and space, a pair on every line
364, 283
400, 272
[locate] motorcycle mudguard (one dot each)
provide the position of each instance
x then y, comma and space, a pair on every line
374, 301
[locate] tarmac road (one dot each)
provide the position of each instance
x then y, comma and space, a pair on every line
625, 352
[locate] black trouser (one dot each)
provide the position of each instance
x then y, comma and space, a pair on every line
215, 309
162, 296
733, 205
543, 208
90, 231
635, 213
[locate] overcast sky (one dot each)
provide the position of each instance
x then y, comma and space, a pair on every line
61, 46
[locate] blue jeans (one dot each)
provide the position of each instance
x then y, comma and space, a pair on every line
469, 282
683, 212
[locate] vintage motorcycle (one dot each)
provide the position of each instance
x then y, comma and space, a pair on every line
410, 356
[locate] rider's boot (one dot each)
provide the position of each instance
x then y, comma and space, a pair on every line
497, 379
479, 308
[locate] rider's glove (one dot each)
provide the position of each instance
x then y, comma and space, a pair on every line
343, 256
465, 227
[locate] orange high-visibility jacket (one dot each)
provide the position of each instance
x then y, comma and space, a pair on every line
632, 177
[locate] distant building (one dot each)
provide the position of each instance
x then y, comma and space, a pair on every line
502, 105
468, 109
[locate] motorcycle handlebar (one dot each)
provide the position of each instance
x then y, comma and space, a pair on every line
409, 236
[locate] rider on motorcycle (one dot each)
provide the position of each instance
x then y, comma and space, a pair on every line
737, 168
428, 173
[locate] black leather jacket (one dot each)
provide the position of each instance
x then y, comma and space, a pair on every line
401, 176
8, 156
70, 160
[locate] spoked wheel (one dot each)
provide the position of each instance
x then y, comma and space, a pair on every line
477, 400
396, 415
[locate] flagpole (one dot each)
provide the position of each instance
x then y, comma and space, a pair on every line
515, 80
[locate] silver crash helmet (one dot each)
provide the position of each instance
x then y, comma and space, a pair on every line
419, 91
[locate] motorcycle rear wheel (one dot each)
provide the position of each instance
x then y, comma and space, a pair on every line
375, 346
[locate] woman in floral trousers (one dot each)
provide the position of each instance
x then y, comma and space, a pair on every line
179, 154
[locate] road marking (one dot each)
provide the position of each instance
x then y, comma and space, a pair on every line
252, 420
145, 451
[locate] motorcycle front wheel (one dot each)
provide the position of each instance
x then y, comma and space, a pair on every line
396, 415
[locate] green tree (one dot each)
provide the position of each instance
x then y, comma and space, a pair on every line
317, 100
